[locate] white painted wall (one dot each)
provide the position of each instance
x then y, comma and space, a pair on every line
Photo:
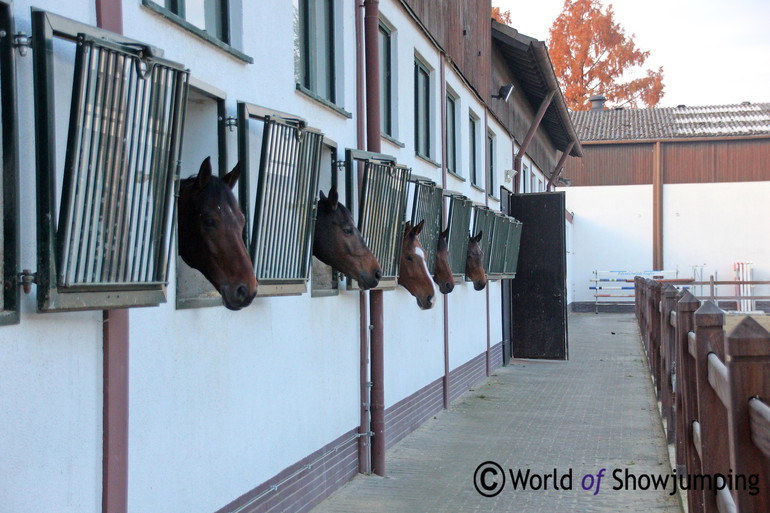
612, 230
222, 401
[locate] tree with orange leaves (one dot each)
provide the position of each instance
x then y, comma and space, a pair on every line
501, 16
590, 53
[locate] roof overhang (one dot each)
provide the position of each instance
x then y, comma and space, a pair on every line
531, 65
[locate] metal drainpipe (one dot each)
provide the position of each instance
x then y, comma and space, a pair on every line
364, 441
445, 220
486, 202
115, 329
371, 35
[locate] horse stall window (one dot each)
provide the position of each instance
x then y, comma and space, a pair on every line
427, 204
484, 221
325, 281
9, 174
381, 209
500, 235
285, 200
512, 248
206, 132
110, 245
459, 227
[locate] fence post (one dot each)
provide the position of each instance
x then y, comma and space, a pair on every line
747, 351
667, 305
655, 293
714, 456
687, 460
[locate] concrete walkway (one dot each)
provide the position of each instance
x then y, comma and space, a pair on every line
595, 412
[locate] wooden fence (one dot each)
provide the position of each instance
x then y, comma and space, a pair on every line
714, 391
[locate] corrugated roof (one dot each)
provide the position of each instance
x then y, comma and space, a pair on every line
745, 119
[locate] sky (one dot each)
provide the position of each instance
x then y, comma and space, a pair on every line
713, 52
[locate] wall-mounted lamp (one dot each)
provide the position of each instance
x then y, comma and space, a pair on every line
504, 93
509, 174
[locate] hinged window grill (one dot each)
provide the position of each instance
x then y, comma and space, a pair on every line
459, 228
381, 208
285, 204
112, 244
427, 205
9, 175
484, 220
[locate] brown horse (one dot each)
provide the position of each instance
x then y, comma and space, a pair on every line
474, 263
413, 271
210, 224
338, 243
442, 272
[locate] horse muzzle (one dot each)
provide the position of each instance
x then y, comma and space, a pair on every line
240, 296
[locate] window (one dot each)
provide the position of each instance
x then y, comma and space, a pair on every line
316, 48
209, 15
491, 164
421, 109
473, 151
451, 135
386, 94
525, 179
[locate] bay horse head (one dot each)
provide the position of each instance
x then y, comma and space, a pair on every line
338, 243
413, 270
210, 225
474, 263
442, 272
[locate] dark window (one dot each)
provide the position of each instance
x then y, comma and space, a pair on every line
473, 152
490, 164
213, 18
421, 109
386, 113
316, 36
451, 135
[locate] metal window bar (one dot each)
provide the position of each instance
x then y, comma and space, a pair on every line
501, 229
427, 205
459, 228
483, 220
285, 208
381, 213
512, 251
121, 164
9, 175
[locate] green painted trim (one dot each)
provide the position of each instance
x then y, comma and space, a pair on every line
459, 177
427, 159
478, 187
392, 140
323, 101
170, 16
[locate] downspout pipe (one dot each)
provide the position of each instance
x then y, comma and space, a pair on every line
364, 440
376, 310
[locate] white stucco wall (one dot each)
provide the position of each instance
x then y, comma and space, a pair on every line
221, 401
612, 230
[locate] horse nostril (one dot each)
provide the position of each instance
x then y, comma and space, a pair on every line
430, 299
377, 275
242, 292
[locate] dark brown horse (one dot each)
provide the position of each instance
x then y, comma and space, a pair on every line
442, 272
413, 271
474, 263
210, 225
338, 243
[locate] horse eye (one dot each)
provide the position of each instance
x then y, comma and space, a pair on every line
409, 258
347, 230
210, 222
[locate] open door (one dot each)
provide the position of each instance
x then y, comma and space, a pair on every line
538, 295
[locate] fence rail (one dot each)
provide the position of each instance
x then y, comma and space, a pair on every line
713, 390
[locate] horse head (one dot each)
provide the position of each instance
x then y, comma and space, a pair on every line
442, 273
338, 243
210, 224
413, 270
474, 265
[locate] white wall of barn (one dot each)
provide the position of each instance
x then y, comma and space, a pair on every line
221, 401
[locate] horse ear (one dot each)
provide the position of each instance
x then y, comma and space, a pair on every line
204, 173
477, 238
445, 233
407, 228
232, 177
417, 229
333, 198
